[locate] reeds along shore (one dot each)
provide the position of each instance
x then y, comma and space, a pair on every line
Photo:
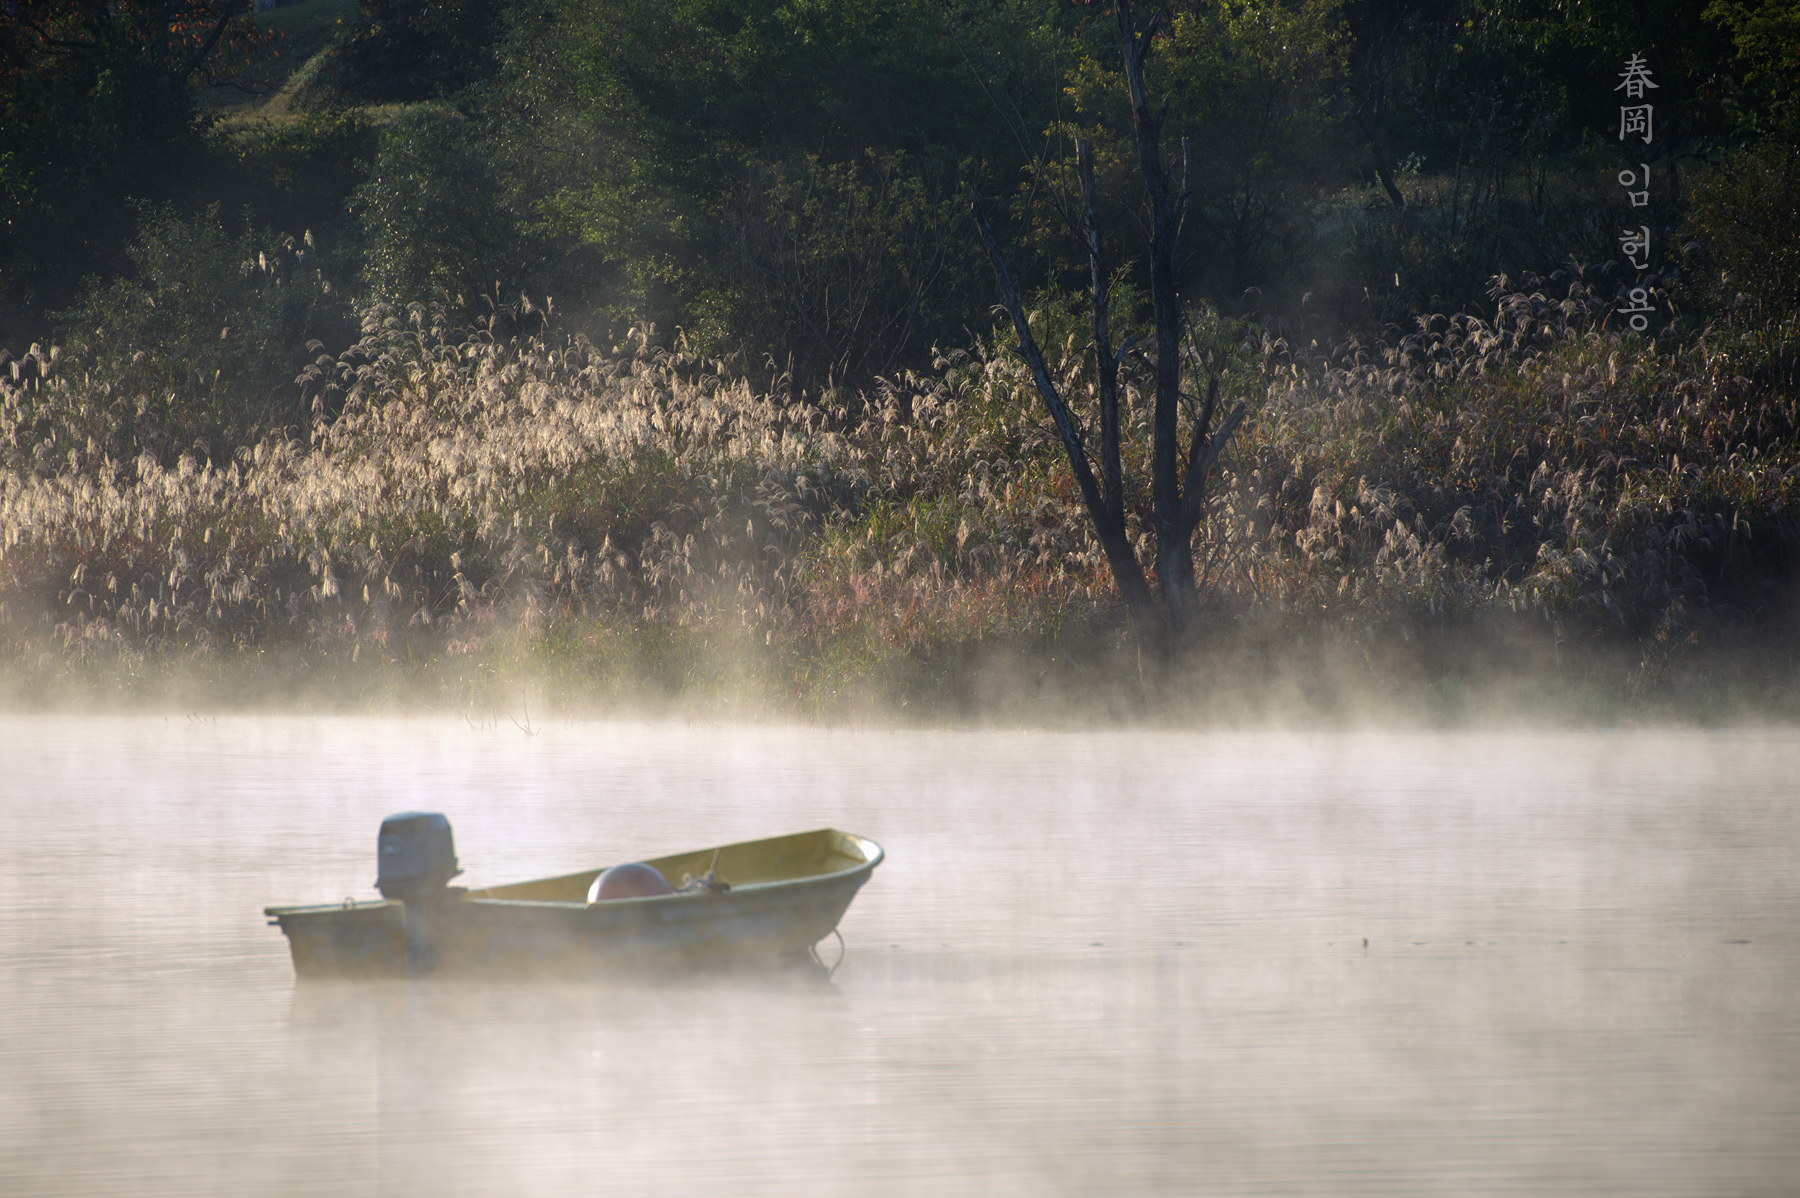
1535, 502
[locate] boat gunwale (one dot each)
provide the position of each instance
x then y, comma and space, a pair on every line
868, 864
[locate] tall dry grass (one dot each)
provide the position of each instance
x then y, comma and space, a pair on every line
638, 518
1536, 462
466, 487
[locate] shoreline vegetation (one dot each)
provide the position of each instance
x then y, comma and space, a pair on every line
1532, 519
288, 419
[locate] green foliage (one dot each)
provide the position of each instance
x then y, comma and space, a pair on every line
1256, 84
1573, 51
297, 173
1251, 86
781, 183
1744, 215
97, 108
409, 50
835, 270
436, 212
1504, 177
682, 143
641, 160
198, 351
1766, 35
1506, 114
73, 145
719, 79
1462, 114
1456, 233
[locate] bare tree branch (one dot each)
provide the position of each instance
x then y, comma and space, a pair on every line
1174, 557
1126, 571
226, 14
1159, 607
1106, 363
57, 42
1203, 455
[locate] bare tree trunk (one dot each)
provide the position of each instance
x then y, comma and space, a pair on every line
1141, 605
1382, 171
212, 38
1106, 363
1159, 615
1168, 221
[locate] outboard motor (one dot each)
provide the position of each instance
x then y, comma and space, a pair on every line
417, 855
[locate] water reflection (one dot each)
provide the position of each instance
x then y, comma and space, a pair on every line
1129, 965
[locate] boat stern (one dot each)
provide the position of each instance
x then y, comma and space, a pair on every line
352, 939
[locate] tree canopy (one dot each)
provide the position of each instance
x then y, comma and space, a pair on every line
784, 180
97, 106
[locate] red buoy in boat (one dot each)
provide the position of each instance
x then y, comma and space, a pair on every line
635, 880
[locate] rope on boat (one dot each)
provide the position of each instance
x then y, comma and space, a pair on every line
707, 883
843, 951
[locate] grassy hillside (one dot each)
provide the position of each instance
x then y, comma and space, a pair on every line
268, 89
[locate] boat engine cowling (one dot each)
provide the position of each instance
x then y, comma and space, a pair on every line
417, 855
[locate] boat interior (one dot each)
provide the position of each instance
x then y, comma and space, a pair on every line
753, 863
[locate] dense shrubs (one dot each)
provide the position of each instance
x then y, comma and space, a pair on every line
80, 133
835, 271
98, 109
409, 50
1537, 463
196, 353
1745, 222
436, 214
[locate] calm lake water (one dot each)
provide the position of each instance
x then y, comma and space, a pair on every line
1091, 965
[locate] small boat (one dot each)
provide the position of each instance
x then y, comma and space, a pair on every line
759, 902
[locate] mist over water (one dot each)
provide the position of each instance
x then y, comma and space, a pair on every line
1111, 963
